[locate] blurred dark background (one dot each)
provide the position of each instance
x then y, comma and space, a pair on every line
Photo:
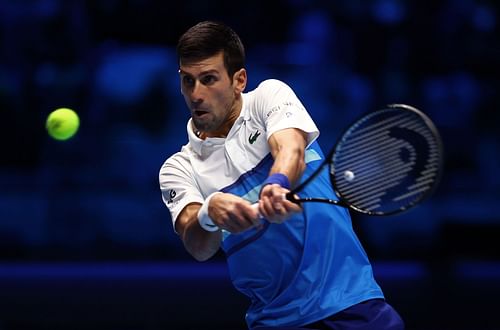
85, 240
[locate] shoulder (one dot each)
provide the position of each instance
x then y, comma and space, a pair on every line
179, 160
268, 94
274, 91
272, 85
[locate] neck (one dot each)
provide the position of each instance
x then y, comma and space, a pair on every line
224, 129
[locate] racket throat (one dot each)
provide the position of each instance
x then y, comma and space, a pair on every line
298, 200
322, 200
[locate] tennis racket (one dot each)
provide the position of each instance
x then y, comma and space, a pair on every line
386, 162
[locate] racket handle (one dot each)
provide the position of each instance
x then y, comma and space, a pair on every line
255, 206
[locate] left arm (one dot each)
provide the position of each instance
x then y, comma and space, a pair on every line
287, 148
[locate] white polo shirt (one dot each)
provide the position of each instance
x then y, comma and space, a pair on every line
205, 166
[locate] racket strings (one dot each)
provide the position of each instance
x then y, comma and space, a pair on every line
365, 197
367, 157
373, 166
413, 192
393, 159
369, 149
378, 125
356, 140
371, 185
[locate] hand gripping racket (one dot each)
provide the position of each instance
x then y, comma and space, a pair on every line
385, 163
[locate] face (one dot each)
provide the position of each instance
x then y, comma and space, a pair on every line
213, 97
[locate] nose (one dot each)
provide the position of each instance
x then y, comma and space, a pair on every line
196, 96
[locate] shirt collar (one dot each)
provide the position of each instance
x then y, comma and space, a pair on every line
194, 141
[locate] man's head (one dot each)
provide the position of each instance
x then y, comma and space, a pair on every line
208, 38
211, 59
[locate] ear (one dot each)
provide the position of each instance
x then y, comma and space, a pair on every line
240, 80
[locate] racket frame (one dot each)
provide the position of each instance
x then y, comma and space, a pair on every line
291, 196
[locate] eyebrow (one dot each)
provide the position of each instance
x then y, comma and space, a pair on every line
201, 73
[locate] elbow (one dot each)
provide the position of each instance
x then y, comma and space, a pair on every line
200, 254
201, 247
200, 244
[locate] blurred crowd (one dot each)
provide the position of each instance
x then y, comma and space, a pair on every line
96, 196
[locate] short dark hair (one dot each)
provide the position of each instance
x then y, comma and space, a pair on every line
208, 38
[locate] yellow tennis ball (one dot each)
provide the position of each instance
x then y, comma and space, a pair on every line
62, 123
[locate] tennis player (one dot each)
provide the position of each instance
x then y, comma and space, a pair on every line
301, 267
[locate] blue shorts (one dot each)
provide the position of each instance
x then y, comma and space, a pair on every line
374, 314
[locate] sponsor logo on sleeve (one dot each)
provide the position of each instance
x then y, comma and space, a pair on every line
284, 105
171, 196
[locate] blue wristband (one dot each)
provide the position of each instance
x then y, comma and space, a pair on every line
277, 178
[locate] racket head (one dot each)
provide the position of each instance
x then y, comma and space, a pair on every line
387, 161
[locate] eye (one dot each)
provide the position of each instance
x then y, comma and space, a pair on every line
208, 79
187, 81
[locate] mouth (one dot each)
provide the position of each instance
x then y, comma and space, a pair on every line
200, 113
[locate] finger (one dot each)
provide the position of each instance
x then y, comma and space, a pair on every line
292, 207
277, 193
243, 216
252, 220
266, 207
278, 208
236, 227
255, 215
246, 219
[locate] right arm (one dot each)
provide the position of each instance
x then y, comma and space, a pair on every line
227, 211
200, 243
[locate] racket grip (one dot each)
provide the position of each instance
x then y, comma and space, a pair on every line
255, 205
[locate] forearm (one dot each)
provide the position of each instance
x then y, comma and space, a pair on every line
289, 161
288, 148
201, 244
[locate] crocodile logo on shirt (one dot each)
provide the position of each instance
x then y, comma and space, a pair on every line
253, 137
